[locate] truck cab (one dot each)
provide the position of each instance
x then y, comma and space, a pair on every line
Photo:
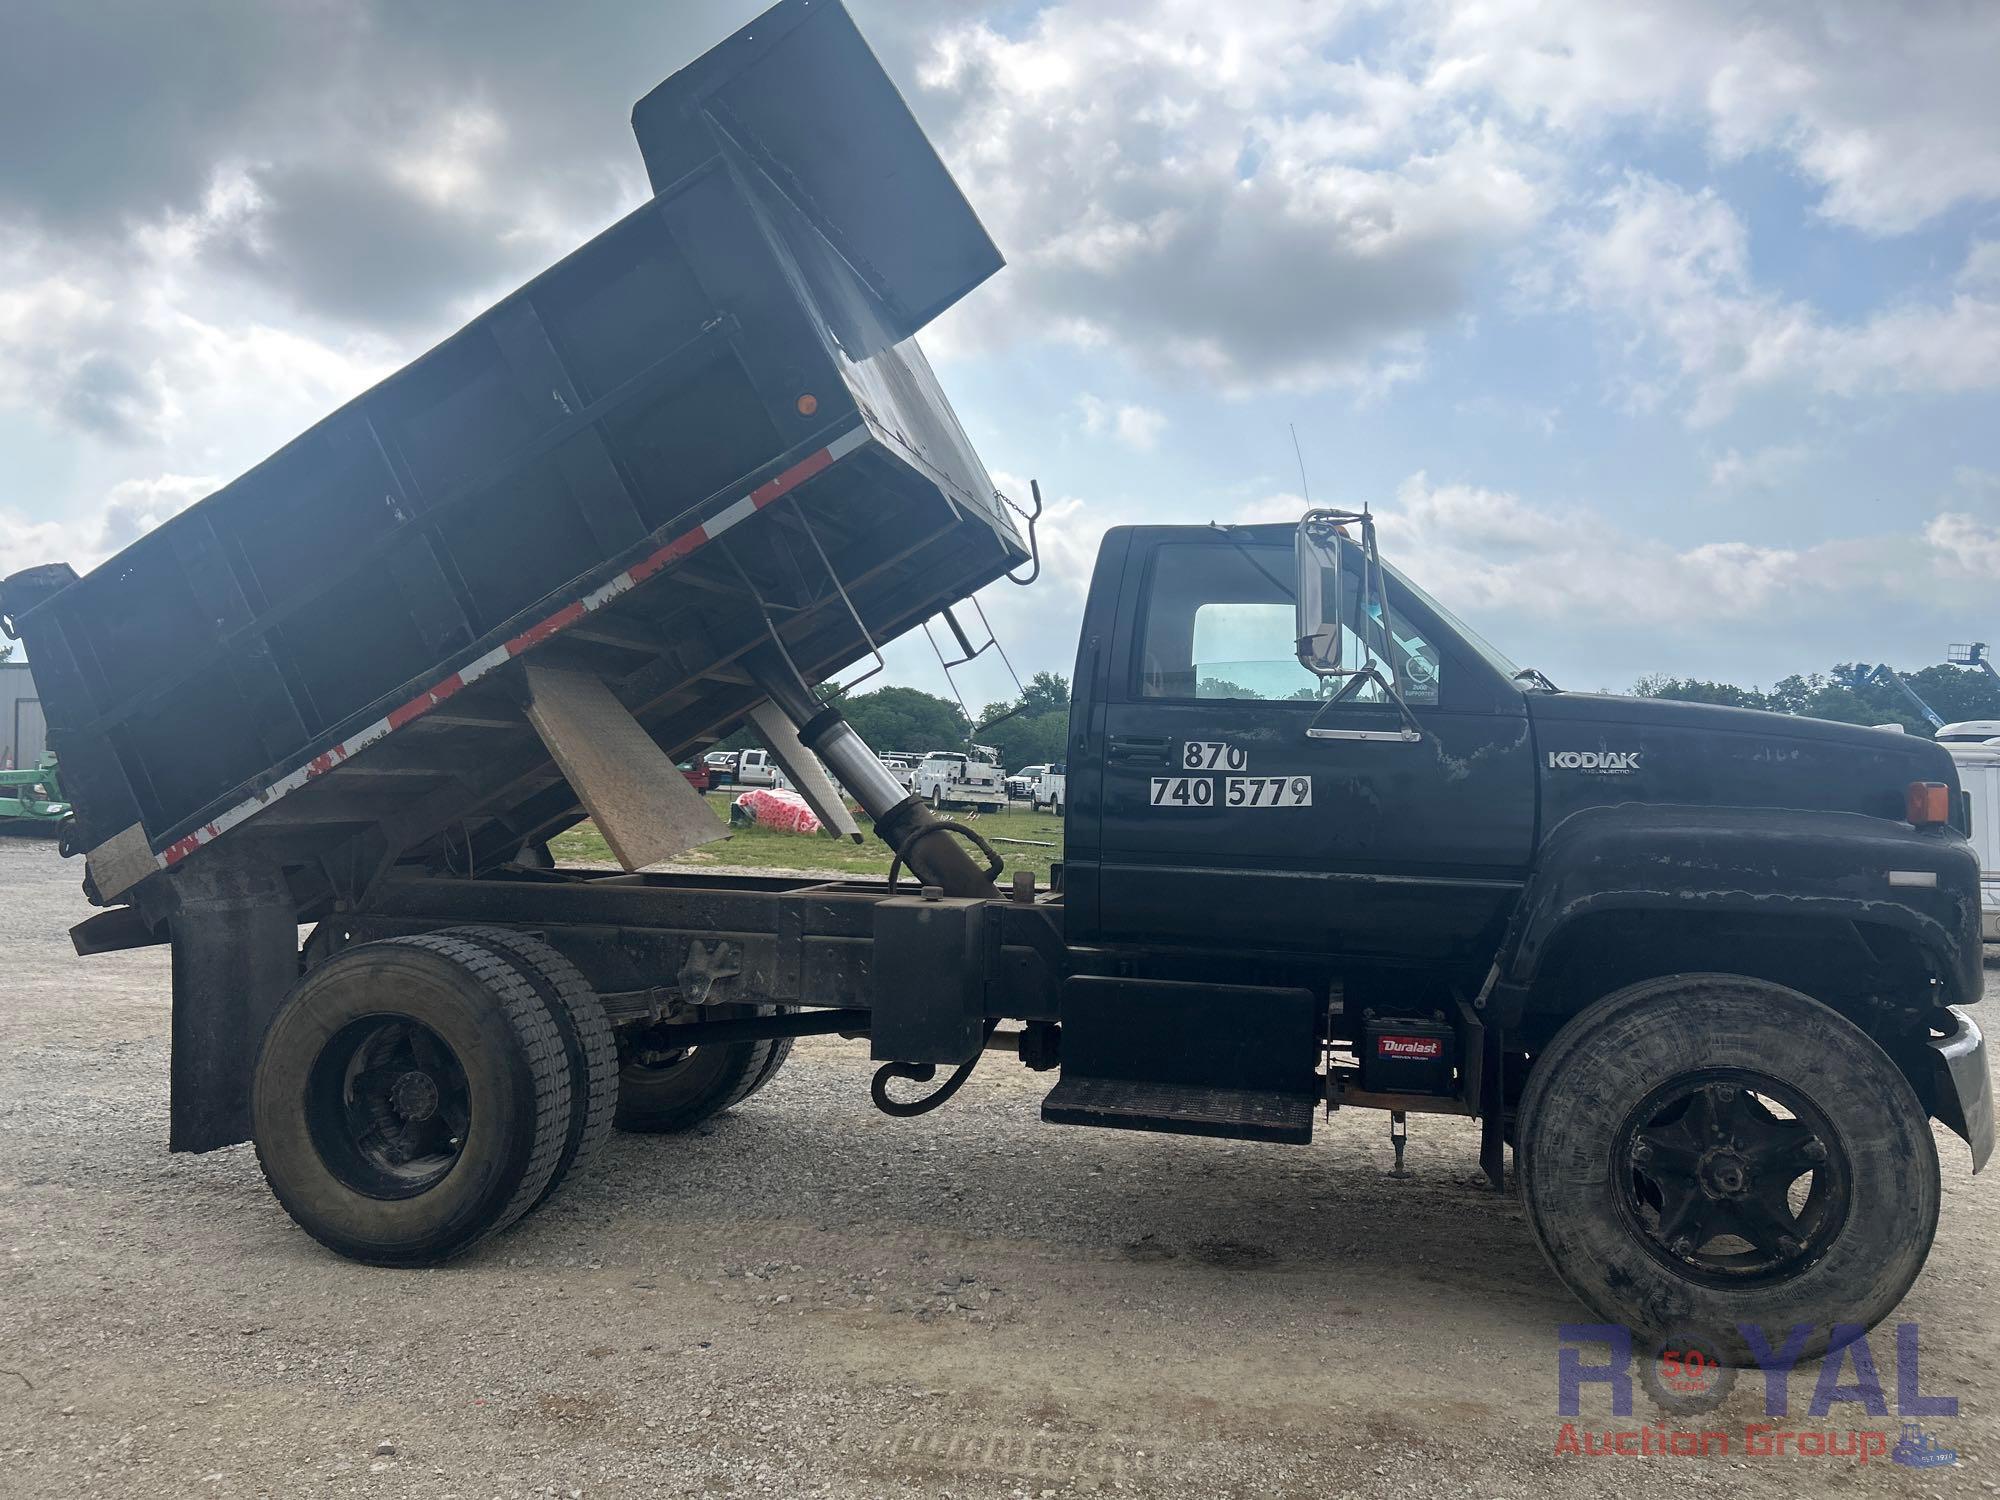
1200, 810
1223, 792
1629, 934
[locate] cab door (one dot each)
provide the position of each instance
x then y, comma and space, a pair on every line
1222, 822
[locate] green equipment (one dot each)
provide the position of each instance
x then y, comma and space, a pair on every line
34, 795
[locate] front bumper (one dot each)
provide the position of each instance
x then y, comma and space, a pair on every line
1962, 1087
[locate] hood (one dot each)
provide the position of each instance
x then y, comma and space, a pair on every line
1594, 749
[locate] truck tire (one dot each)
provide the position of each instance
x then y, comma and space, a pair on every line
662, 1093
781, 1048
588, 1041
1705, 1150
411, 1097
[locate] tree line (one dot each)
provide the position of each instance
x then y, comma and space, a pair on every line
1027, 730
1849, 693
1034, 728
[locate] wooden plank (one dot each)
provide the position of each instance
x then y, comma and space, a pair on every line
641, 803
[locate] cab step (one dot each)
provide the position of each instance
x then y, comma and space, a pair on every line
1187, 1058
1182, 1109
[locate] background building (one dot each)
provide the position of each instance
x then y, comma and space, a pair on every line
24, 735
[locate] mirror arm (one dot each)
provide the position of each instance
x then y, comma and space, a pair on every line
1409, 734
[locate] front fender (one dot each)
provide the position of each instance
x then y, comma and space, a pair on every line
1755, 861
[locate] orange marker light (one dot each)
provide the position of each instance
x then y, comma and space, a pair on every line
1928, 804
808, 404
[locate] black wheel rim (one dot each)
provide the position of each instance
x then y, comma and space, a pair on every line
1731, 1177
651, 1066
657, 1062
388, 1107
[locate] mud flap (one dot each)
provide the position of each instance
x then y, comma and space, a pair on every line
235, 945
1493, 1109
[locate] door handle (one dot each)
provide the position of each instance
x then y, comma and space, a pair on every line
1135, 746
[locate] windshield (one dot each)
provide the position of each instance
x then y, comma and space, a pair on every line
1471, 637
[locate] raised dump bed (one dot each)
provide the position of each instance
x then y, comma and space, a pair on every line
710, 419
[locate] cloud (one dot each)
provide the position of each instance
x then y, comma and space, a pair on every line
1210, 188
1490, 551
400, 159
1761, 469
1966, 546
131, 509
1889, 109
130, 346
1670, 269
1135, 426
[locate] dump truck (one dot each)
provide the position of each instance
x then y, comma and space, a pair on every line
1705, 971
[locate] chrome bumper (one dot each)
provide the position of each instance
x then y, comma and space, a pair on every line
1963, 1088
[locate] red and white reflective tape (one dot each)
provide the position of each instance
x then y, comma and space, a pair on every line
442, 691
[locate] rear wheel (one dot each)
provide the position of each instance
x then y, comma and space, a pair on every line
1707, 1150
780, 1048
588, 1041
411, 1097
663, 1089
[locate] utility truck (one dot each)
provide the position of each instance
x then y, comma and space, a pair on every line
1707, 971
1974, 747
1050, 789
961, 781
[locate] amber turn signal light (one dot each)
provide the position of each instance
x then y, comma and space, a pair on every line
808, 404
1928, 804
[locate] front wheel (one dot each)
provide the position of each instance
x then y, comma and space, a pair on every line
1706, 1150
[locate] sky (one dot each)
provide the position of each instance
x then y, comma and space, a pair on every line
1661, 336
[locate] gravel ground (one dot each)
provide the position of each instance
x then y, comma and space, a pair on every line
809, 1298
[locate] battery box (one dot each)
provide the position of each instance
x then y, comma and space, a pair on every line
1407, 1054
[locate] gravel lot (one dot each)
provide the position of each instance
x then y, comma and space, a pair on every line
809, 1298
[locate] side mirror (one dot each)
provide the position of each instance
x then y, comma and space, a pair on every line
1317, 553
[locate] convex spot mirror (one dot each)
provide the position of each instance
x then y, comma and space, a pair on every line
1317, 552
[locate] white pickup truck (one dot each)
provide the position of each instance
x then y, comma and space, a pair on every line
741, 768
953, 779
902, 767
1021, 785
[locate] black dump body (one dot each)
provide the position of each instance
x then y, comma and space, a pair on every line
710, 414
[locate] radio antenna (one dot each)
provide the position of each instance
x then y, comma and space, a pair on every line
1297, 453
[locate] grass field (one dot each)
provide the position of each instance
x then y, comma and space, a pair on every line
767, 849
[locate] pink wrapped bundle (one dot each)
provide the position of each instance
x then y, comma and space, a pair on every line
784, 811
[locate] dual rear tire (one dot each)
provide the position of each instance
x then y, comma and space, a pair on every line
415, 1095
663, 1090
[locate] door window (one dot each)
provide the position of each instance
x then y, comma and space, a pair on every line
1219, 623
